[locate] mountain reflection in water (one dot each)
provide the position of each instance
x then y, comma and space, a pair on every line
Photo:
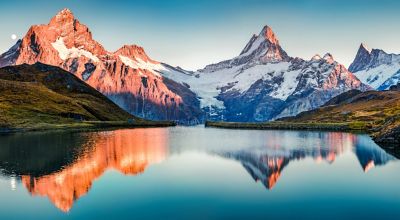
63, 166
128, 151
266, 164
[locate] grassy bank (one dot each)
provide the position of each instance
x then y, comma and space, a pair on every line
354, 126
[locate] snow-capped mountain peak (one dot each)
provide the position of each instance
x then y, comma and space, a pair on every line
62, 16
316, 57
329, 58
362, 58
269, 35
266, 35
376, 67
263, 47
64, 21
135, 52
64, 11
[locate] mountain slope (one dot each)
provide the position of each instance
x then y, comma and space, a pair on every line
127, 76
36, 96
376, 67
264, 83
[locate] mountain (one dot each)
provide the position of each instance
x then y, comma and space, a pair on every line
265, 83
41, 96
127, 76
376, 68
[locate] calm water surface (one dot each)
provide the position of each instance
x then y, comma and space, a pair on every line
197, 173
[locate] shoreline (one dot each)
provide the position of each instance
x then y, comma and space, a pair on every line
86, 126
288, 126
305, 126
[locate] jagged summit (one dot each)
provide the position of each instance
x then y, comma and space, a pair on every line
65, 11
363, 46
134, 51
269, 34
264, 44
316, 57
329, 58
261, 49
362, 59
63, 16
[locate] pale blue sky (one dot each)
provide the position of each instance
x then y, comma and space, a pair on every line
193, 34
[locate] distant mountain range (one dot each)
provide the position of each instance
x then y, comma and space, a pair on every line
262, 83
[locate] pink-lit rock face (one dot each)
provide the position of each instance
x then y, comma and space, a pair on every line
128, 76
127, 151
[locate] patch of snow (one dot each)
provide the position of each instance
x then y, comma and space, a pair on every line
65, 53
288, 85
129, 62
138, 63
375, 77
175, 74
207, 85
265, 72
316, 57
256, 44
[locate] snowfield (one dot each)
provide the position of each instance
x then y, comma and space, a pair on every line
377, 76
67, 53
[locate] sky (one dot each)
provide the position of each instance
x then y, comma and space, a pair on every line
192, 34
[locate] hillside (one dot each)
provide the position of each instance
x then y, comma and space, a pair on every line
39, 96
375, 111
